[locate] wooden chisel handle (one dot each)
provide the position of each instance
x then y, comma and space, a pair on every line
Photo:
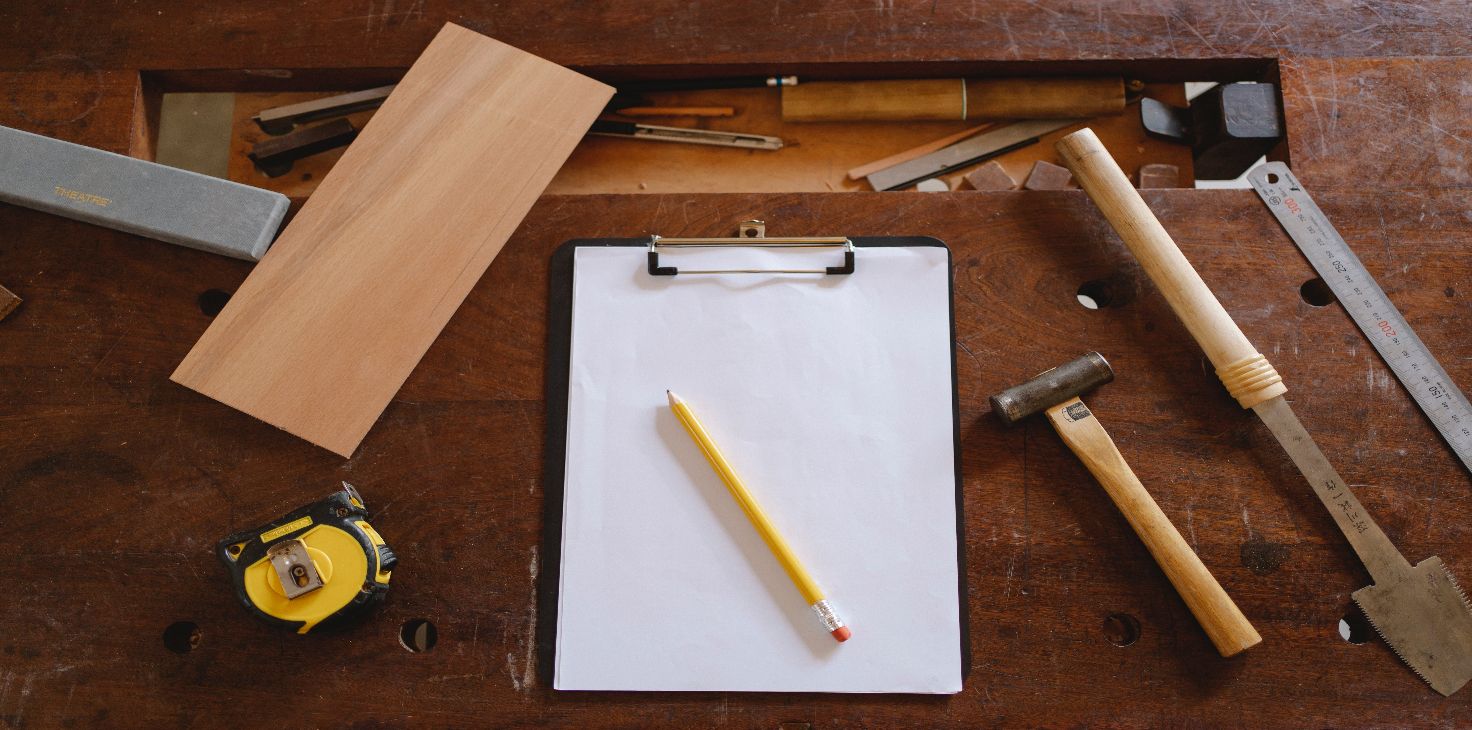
1224, 623
953, 99
1249, 377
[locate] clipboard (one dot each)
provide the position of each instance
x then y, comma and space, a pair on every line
843, 258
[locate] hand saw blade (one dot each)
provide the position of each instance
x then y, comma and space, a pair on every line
1426, 619
1419, 611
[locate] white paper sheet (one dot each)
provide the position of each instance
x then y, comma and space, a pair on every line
831, 397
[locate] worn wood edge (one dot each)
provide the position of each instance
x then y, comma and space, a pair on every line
194, 372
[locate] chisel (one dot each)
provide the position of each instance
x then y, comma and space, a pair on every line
978, 148
1419, 611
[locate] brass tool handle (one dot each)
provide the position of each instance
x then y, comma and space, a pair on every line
1249, 377
952, 99
1224, 623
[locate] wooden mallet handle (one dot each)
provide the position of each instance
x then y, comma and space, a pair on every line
1224, 623
1249, 377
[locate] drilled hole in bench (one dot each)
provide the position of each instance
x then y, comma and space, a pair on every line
1316, 293
418, 635
211, 301
1096, 294
1354, 627
181, 637
1121, 629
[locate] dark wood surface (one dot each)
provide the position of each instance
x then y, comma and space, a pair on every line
115, 483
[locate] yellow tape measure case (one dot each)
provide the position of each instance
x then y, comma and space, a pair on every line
316, 566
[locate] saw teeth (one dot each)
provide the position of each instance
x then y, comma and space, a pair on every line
1453, 580
1389, 643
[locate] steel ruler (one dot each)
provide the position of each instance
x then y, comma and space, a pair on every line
1367, 305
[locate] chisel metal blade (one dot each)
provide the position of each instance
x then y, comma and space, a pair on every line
1419, 611
968, 151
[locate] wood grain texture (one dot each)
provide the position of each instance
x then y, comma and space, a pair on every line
67, 97
1247, 375
333, 319
671, 33
886, 100
989, 176
910, 100
1047, 176
1404, 123
114, 483
1223, 622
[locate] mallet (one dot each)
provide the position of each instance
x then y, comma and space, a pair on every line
1057, 393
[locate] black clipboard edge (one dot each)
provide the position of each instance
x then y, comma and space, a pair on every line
559, 366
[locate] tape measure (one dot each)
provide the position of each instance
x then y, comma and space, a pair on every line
1367, 305
318, 565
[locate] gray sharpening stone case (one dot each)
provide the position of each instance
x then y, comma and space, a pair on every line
146, 198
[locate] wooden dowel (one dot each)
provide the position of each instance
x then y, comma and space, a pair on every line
1246, 373
958, 99
677, 111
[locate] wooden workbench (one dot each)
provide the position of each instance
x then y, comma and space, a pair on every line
115, 483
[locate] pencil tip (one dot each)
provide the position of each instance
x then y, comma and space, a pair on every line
673, 398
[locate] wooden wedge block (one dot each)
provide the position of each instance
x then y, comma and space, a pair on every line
1047, 176
328, 326
1159, 175
8, 302
990, 176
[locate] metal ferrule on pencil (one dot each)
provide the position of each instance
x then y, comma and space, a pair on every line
826, 614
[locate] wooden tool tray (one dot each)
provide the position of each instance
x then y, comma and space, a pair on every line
816, 157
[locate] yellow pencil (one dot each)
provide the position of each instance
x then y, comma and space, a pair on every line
799, 575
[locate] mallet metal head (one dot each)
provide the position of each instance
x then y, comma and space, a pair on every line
1048, 389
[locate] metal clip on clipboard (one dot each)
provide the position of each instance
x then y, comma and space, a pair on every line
752, 234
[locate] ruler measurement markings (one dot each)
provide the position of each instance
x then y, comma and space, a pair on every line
1368, 306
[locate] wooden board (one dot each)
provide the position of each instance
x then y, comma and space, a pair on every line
334, 318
